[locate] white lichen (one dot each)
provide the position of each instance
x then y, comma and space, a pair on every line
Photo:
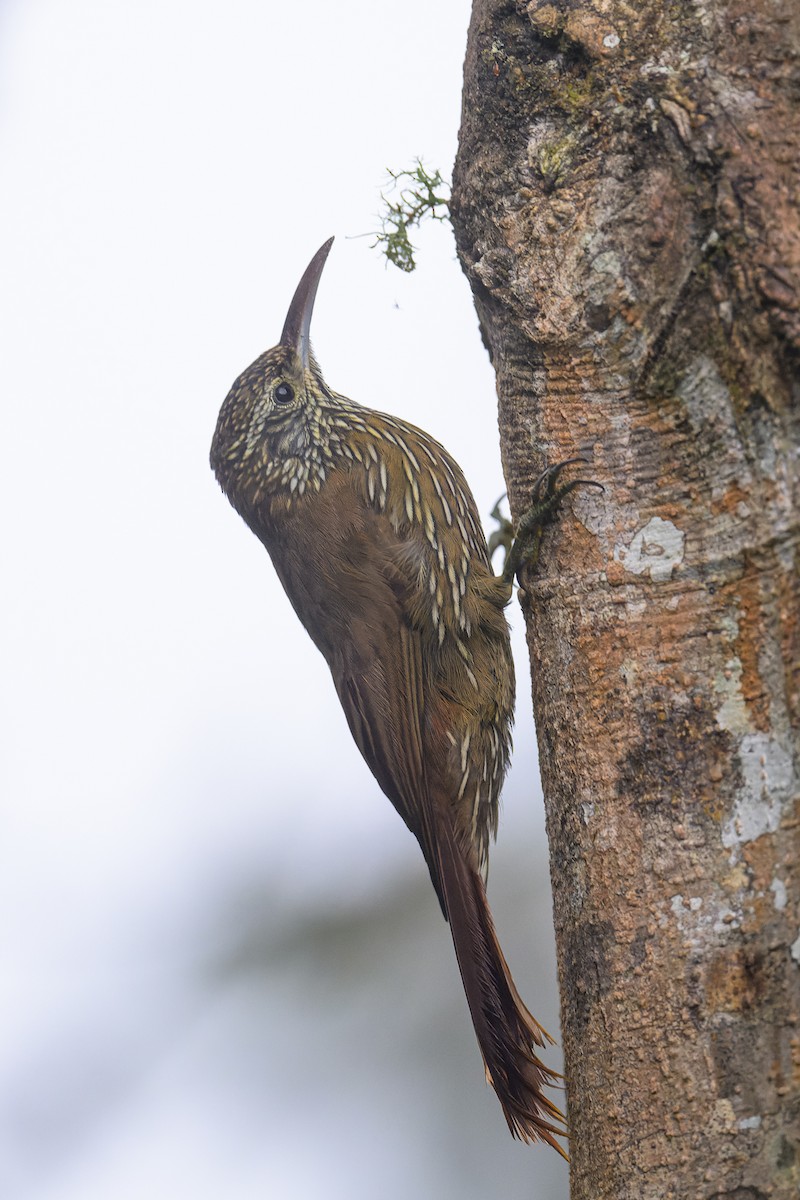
732, 713
708, 405
767, 785
656, 550
778, 889
698, 918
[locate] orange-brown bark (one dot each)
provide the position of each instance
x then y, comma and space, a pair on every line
626, 208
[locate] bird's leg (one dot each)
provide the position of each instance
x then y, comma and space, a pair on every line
522, 547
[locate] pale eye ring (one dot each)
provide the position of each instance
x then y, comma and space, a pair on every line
283, 394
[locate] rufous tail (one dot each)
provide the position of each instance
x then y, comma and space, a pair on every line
507, 1033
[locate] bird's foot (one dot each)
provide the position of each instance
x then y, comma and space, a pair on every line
523, 546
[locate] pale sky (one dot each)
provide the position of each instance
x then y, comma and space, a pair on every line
169, 168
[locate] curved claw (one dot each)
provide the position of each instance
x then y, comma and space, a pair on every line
570, 487
495, 514
550, 475
504, 534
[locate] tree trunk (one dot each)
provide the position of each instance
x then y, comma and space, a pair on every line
625, 204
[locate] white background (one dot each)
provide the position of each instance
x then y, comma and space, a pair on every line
223, 970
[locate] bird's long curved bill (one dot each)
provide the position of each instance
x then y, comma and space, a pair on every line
297, 326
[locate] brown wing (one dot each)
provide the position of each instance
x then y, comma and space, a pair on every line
354, 590
384, 702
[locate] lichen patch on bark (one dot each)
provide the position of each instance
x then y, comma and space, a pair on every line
656, 550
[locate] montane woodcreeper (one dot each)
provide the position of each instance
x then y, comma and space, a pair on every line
375, 536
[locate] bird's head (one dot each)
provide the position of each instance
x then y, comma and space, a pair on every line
266, 422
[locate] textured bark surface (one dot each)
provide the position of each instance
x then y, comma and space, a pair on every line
625, 203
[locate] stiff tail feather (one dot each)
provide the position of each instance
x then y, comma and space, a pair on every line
507, 1033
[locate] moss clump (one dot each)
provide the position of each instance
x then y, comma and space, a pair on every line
554, 157
418, 196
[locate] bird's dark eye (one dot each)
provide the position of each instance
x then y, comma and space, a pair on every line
284, 393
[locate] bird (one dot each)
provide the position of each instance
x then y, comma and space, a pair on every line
376, 538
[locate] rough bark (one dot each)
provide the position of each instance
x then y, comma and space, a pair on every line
626, 209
